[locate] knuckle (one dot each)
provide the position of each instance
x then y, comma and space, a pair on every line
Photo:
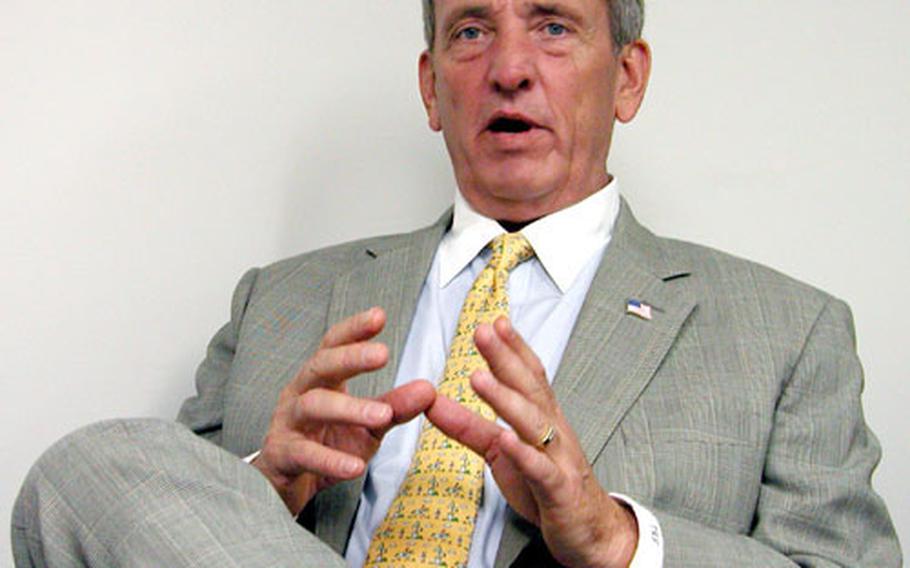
550, 397
576, 477
346, 357
332, 336
312, 396
352, 356
309, 403
275, 438
325, 463
323, 362
539, 390
300, 460
271, 453
303, 405
323, 365
308, 372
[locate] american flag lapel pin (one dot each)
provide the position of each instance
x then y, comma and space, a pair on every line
639, 309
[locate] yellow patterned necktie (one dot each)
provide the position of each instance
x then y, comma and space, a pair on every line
431, 520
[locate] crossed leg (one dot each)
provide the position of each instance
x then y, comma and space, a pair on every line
151, 493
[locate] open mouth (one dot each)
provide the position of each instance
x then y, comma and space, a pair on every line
509, 125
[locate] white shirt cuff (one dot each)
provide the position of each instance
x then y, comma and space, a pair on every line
649, 553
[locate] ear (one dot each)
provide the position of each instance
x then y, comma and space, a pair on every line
634, 70
427, 74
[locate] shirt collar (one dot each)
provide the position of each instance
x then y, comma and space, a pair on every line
563, 241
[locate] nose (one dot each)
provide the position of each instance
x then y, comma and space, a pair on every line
512, 67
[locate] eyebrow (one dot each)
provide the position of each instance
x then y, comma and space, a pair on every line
469, 11
483, 12
537, 9
554, 9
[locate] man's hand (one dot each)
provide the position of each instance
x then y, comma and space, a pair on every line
319, 434
553, 486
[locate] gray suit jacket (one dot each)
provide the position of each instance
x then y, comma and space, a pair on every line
734, 414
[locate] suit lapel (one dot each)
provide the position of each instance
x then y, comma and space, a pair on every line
390, 276
612, 356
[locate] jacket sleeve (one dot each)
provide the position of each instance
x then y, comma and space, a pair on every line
204, 412
816, 505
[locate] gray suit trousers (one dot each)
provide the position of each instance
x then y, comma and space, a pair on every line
151, 493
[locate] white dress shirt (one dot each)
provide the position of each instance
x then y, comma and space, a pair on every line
545, 296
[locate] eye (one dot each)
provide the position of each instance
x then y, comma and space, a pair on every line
555, 29
469, 33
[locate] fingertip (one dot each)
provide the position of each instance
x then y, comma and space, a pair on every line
374, 319
483, 333
432, 412
510, 438
505, 329
409, 400
424, 385
440, 399
351, 467
437, 410
423, 391
375, 355
423, 395
429, 391
481, 380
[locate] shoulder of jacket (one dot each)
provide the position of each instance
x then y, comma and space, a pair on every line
327, 263
716, 272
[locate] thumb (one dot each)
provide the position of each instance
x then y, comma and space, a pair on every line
407, 401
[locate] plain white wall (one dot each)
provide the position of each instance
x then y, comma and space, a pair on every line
152, 151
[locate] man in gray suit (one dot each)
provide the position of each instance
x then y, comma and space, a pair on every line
658, 401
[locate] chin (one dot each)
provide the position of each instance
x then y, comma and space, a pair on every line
515, 189
513, 198
515, 177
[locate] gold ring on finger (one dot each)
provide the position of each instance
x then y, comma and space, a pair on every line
547, 437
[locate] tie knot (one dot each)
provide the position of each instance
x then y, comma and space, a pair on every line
510, 250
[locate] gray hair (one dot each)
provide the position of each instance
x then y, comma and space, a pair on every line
627, 18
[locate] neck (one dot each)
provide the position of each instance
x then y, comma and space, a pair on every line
521, 210
515, 226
